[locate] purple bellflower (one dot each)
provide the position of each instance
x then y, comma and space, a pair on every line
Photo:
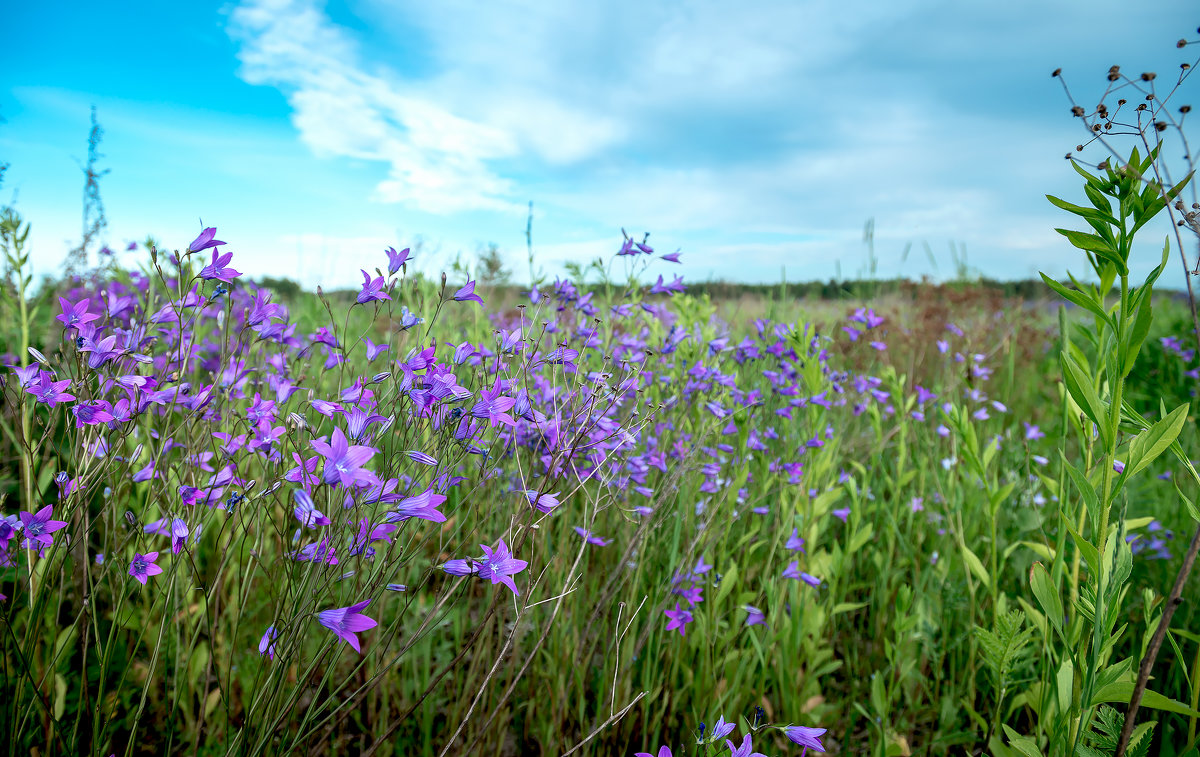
809, 738
142, 566
345, 622
344, 461
38, 527
49, 391
679, 619
218, 269
467, 294
205, 240
266, 646
372, 290
396, 259
76, 314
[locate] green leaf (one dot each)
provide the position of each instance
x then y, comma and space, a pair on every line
1090, 554
1090, 499
1079, 298
1096, 245
1041, 550
1121, 691
1082, 212
1093, 182
60, 695
1066, 681
1022, 744
1090, 242
861, 537
1137, 335
1048, 596
728, 581
1192, 509
1151, 443
1079, 385
976, 566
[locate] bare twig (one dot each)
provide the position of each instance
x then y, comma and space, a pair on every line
607, 723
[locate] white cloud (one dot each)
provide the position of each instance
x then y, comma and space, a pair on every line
696, 120
436, 160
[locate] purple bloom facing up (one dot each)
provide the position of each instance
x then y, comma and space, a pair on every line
745, 750
720, 730
205, 240
467, 294
345, 622
267, 644
795, 542
493, 407
663, 751
49, 391
142, 566
74, 314
809, 738
372, 289
218, 269
396, 259
679, 619
497, 564
344, 461
38, 527
500, 566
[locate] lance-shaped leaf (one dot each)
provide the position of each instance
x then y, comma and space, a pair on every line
1084, 394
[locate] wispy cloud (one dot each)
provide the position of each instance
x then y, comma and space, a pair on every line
436, 160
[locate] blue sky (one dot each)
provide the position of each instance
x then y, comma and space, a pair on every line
756, 137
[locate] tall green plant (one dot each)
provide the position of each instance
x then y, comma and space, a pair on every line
1080, 675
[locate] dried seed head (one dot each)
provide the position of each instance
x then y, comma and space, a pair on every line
1149, 76
1079, 147
1181, 43
1077, 111
1102, 165
1185, 109
1121, 102
1160, 125
1057, 71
